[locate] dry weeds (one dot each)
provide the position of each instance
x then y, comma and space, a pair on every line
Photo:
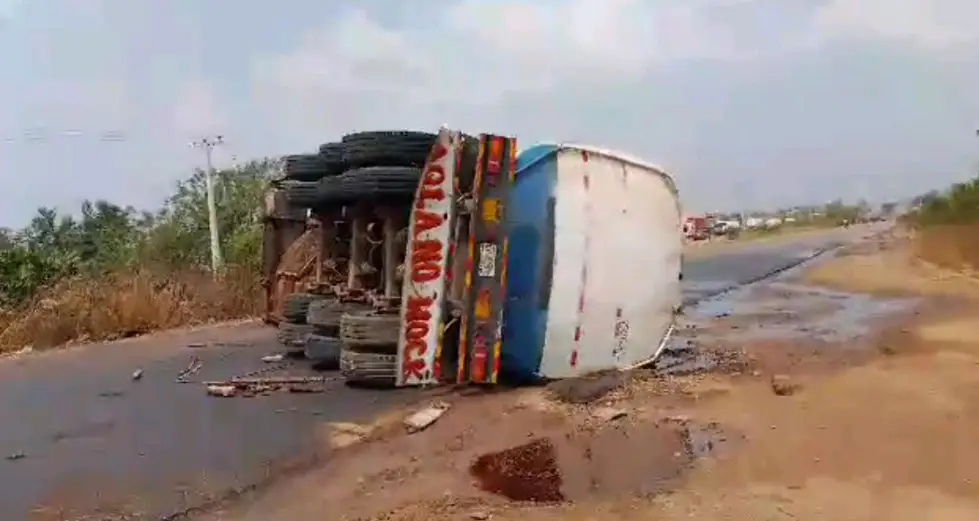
127, 304
955, 246
933, 262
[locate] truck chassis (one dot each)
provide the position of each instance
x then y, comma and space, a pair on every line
385, 256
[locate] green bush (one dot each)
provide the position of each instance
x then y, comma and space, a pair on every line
957, 205
105, 238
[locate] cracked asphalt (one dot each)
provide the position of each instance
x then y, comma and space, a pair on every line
79, 435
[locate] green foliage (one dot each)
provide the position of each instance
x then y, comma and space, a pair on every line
957, 205
104, 237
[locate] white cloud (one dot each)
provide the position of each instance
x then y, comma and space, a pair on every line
929, 24
479, 54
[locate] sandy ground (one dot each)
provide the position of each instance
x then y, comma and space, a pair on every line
887, 267
875, 426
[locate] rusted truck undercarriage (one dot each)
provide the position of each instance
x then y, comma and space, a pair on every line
370, 250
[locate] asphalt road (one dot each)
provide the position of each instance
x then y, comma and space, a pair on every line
79, 434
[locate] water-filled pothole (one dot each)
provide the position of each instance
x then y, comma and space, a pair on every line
644, 458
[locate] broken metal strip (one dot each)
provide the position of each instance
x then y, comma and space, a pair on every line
482, 336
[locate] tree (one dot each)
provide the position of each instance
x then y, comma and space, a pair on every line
105, 237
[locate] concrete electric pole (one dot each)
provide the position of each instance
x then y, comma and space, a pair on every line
208, 144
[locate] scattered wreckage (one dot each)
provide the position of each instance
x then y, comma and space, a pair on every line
408, 258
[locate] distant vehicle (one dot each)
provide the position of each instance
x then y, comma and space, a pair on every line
696, 228
726, 228
754, 222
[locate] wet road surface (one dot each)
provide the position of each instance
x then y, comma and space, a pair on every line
709, 275
79, 434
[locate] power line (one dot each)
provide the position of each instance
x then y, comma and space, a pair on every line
44, 135
208, 144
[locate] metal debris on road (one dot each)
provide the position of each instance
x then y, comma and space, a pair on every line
192, 369
250, 387
138, 374
224, 391
424, 418
304, 388
278, 380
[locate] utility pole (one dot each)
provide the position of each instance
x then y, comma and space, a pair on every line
208, 144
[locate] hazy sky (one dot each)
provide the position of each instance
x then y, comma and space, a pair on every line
749, 103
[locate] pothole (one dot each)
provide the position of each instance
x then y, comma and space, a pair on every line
527, 472
644, 458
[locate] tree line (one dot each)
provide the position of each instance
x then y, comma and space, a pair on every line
104, 237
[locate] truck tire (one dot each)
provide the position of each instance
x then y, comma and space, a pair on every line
329, 192
332, 155
304, 167
372, 369
302, 194
324, 315
294, 335
379, 184
296, 306
387, 148
371, 332
323, 350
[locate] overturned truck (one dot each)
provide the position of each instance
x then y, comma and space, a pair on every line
408, 258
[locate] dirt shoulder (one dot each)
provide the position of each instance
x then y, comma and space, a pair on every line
801, 416
889, 267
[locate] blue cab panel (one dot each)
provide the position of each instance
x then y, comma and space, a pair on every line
530, 226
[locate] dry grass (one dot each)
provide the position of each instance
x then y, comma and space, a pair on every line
127, 304
955, 246
931, 262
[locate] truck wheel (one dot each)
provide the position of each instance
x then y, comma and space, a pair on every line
324, 315
296, 306
333, 160
323, 350
387, 148
329, 192
302, 194
304, 167
294, 335
371, 332
372, 369
380, 184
